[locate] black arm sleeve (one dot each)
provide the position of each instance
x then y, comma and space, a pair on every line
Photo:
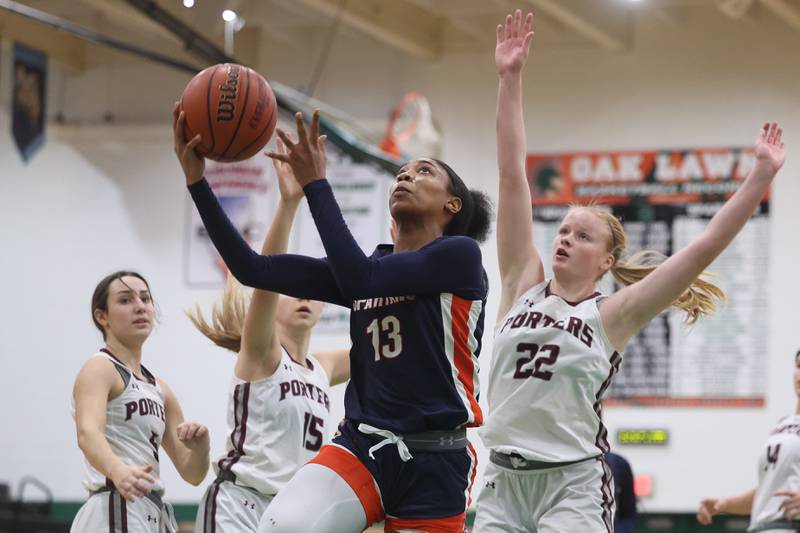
293, 275
449, 264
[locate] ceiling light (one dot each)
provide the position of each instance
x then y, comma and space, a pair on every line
228, 15
188, 3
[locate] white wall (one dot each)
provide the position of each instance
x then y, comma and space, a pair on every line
88, 204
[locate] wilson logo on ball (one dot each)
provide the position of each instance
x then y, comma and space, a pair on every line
228, 92
233, 109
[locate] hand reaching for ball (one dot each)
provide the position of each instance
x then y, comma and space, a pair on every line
193, 165
307, 156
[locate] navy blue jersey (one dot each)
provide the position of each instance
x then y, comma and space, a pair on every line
416, 317
414, 361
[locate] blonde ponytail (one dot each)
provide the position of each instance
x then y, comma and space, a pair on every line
698, 300
227, 318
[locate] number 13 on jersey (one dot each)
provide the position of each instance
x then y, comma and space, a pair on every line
387, 342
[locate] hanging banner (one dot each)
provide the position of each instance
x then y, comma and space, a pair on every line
28, 102
665, 198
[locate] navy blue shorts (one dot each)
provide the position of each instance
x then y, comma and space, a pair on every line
430, 485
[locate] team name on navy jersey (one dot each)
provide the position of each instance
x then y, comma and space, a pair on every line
534, 319
144, 407
374, 303
298, 388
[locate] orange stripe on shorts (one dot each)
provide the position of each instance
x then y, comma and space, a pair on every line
451, 524
356, 475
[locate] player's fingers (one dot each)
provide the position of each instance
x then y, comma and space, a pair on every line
277, 159
197, 139
287, 140
191, 431
527, 43
517, 22
528, 24
301, 127
507, 31
499, 33
771, 135
314, 131
202, 431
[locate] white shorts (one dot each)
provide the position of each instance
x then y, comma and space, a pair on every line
108, 512
577, 497
230, 508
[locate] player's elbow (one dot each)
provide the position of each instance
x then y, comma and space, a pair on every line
196, 478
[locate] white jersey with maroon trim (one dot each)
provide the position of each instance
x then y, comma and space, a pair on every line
135, 422
276, 425
778, 470
551, 364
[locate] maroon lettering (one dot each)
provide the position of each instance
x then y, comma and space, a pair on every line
574, 326
587, 335
533, 319
284, 389
130, 408
518, 321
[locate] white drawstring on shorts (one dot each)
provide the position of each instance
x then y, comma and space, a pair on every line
388, 438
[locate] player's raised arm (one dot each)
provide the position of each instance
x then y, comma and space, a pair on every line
293, 275
675, 281
520, 265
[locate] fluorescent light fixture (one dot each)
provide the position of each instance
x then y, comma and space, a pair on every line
229, 16
188, 3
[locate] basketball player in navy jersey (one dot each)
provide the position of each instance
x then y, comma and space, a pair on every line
279, 404
774, 505
416, 322
124, 415
557, 341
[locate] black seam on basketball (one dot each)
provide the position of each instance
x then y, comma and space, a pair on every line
208, 109
251, 143
241, 113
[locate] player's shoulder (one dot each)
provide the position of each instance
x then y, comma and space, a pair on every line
460, 242
100, 364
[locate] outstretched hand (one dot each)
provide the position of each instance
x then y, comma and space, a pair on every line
307, 156
769, 150
513, 43
193, 165
290, 189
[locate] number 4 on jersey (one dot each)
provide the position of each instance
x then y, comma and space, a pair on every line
772, 456
387, 341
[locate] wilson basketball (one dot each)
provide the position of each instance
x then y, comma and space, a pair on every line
233, 109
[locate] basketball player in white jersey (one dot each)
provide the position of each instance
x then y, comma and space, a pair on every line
774, 505
557, 341
124, 415
279, 404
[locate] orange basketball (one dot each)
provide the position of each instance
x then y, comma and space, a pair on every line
233, 109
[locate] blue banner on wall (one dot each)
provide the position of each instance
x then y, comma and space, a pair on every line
28, 104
